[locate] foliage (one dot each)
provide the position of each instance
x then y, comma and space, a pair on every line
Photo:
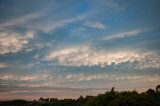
112, 98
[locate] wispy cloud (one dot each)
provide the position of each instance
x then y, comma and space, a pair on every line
124, 34
53, 25
20, 20
104, 5
97, 25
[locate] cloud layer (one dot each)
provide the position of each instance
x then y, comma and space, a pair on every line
85, 56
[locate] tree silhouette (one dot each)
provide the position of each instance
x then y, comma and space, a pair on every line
112, 90
150, 91
157, 88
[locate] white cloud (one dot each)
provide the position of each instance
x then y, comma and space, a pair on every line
97, 25
150, 60
85, 56
112, 77
83, 77
13, 42
50, 79
124, 34
31, 78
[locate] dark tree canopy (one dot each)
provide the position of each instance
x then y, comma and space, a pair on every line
158, 88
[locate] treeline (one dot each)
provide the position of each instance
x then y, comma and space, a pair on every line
111, 98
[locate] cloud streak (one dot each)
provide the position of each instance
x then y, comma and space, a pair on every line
97, 25
25, 78
113, 77
124, 34
20, 20
53, 25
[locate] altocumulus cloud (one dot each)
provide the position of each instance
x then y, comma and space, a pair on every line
112, 77
86, 56
14, 42
39, 80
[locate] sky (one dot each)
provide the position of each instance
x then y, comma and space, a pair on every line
68, 48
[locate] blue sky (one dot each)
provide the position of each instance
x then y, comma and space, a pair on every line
67, 48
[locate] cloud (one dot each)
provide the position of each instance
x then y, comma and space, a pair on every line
97, 25
53, 25
124, 34
86, 56
112, 77
104, 6
40, 79
83, 77
22, 85
150, 60
23, 78
48, 26
44, 25
14, 42
20, 20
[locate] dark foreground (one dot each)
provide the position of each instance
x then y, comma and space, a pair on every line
112, 98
